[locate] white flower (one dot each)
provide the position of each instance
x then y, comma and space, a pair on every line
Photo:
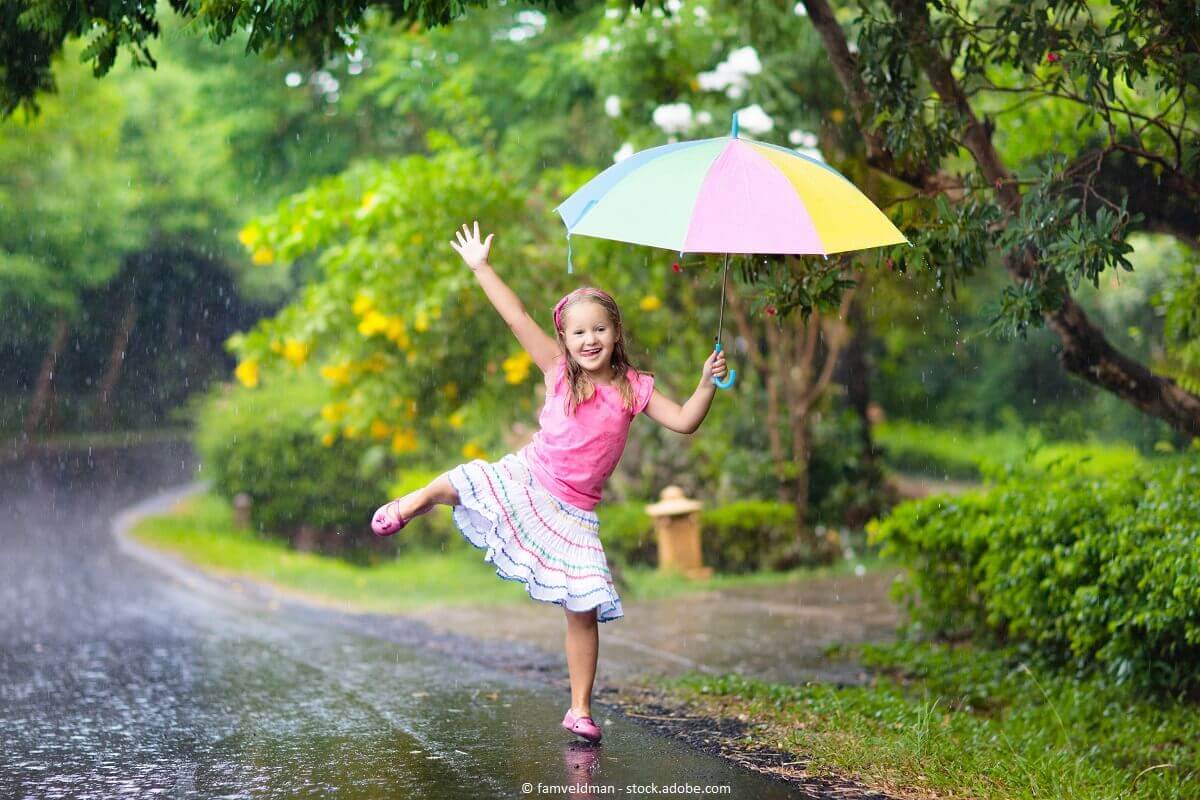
673, 118
294, 79
800, 10
745, 60
860, 570
701, 13
625, 152
674, 5
534, 19
595, 46
730, 74
612, 13
703, 118
521, 33
811, 152
753, 119
802, 138
612, 105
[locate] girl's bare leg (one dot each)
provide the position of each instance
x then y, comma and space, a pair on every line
439, 491
583, 646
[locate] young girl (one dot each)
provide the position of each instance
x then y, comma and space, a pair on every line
533, 510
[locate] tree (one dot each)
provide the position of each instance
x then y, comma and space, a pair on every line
67, 201
923, 86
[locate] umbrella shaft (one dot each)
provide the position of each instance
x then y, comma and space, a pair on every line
721, 317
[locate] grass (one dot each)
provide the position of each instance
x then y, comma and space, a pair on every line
201, 531
963, 722
966, 454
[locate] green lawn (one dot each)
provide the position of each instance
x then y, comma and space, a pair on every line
966, 722
201, 531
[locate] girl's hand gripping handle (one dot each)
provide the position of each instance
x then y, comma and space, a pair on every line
715, 369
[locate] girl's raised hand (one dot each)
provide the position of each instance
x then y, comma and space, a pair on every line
714, 367
473, 251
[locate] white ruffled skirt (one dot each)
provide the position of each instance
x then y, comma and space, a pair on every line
533, 537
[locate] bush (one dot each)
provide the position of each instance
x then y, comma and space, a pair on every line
627, 532
751, 535
1094, 572
262, 442
746, 536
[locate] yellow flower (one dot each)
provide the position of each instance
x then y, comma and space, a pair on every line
368, 202
421, 323
247, 372
450, 391
276, 346
395, 331
472, 450
328, 439
412, 408
338, 375
650, 303
295, 351
362, 304
263, 255
417, 238
334, 412
380, 429
457, 419
297, 228
837, 115
249, 235
373, 323
516, 368
351, 432
405, 441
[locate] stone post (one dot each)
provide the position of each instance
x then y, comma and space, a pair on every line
677, 528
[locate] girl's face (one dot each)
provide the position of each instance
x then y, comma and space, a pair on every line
590, 337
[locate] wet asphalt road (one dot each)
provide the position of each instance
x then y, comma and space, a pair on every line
119, 680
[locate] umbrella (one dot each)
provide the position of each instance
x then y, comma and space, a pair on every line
727, 195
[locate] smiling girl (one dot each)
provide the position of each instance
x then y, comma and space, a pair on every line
533, 511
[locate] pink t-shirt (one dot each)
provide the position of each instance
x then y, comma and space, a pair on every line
573, 455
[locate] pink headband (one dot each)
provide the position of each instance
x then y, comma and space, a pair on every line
586, 290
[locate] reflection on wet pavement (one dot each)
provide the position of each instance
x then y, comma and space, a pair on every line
115, 680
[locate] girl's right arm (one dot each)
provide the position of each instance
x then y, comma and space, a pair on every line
541, 348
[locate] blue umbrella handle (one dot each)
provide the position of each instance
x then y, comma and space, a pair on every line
727, 381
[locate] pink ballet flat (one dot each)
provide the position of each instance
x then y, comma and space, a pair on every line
581, 726
383, 526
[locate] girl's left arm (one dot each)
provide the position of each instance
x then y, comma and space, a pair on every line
687, 418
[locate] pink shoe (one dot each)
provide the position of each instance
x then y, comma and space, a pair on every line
382, 525
581, 726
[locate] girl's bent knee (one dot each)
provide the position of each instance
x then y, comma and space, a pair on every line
444, 491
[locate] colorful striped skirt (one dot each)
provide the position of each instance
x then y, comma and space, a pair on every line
533, 537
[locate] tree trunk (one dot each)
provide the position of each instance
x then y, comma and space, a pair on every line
45, 381
116, 361
801, 455
854, 372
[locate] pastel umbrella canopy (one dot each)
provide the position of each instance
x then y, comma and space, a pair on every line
727, 195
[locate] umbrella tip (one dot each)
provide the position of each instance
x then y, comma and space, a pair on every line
733, 130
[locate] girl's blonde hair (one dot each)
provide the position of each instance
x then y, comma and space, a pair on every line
580, 386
